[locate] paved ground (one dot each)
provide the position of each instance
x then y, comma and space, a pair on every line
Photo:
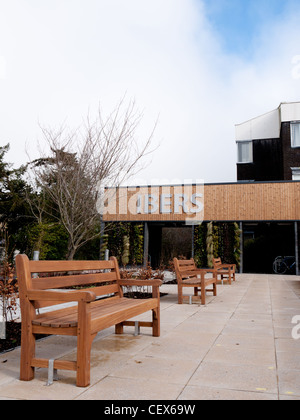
238, 346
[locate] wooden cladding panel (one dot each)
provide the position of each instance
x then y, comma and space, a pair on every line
123, 203
242, 202
236, 202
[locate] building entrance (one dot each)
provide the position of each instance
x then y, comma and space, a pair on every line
263, 242
167, 241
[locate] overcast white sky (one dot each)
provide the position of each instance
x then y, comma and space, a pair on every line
201, 65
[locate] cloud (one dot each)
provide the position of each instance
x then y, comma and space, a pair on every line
2, 67
267, 79
65, 56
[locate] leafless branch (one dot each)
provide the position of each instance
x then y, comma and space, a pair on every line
103, 152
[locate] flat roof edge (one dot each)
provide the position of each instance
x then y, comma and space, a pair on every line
205, 183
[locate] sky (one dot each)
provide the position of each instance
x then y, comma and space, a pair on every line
197, 66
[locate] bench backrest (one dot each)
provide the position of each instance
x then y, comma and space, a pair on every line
101, 277
184, 269
217, 262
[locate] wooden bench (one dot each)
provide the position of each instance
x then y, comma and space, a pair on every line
188, 275
99, 306
226, 271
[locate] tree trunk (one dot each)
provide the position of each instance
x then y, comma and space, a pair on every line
71, 251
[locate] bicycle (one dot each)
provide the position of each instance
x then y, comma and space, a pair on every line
282, 265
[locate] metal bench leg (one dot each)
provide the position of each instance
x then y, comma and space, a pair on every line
137, 328
52, 373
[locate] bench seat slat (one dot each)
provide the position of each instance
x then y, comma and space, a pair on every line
125, 310
194, 281
62, 318
104, 311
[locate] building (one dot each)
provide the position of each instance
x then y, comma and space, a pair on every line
268, 215
269, 145
264, 203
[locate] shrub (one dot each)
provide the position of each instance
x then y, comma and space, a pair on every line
8, 291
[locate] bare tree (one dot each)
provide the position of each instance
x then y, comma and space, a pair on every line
103, 152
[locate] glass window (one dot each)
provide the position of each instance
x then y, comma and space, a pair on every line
295, 134
296, 174
245, 152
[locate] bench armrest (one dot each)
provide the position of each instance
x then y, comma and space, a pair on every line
137, 282
199, 271
61, 295
211, 270
231, 266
